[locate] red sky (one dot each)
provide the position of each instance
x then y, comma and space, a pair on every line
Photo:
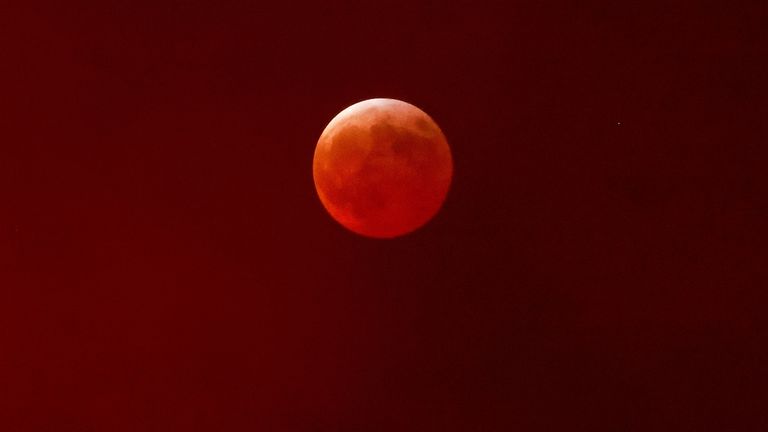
599, 264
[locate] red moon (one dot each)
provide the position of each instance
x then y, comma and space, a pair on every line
382, 168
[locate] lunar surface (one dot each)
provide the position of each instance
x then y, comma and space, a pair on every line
382, 168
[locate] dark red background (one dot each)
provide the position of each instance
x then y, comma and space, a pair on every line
599, 264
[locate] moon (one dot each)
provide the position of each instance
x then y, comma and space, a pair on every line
382, 168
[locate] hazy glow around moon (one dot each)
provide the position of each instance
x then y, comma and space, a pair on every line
382, 168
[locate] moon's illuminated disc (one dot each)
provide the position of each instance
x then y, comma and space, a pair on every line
382, 168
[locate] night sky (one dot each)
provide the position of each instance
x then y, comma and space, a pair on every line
599, 263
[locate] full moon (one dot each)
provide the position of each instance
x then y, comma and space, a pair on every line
382, 168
